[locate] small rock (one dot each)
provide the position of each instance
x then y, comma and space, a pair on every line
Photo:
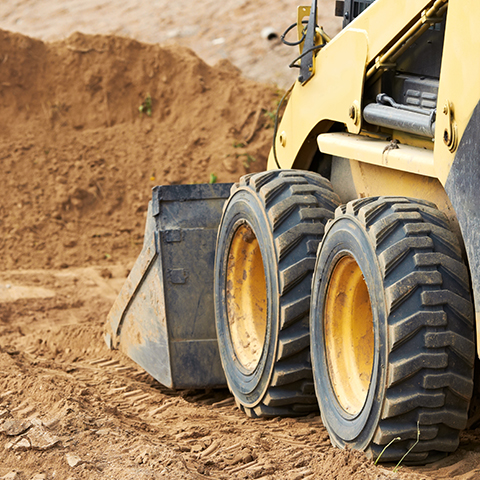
41, 439
14, 427
230, 164
70, 244
3, 413
143, 458
36, 422
106, 273
51, 422
73, 460
11, 476
40, 476
18, 444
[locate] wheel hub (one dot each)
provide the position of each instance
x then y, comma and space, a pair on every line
349, 337
246, 295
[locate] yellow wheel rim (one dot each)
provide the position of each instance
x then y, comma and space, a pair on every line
349, 337
246, 293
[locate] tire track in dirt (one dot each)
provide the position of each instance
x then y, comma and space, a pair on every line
69, 407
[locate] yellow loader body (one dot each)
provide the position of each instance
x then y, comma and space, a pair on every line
348, 69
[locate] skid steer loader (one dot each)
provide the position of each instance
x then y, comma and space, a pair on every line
346, 276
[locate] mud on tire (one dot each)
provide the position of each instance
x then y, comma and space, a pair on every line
266, 247
416, 377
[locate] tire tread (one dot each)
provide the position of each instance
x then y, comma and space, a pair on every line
430, 320
297, 205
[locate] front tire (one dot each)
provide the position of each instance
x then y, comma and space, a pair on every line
392, 330
266, 247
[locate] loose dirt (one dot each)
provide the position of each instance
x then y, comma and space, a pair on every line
78, 157
78, 162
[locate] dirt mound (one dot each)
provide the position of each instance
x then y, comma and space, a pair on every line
79, 157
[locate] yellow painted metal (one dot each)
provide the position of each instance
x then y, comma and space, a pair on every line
372, 42
246, 294
337, 84
373, 180
302, 13
387, 21
459, 78
427, 18
349, 335
340, 69
378, 152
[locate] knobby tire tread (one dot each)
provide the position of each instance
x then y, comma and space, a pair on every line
430, 321
297, 204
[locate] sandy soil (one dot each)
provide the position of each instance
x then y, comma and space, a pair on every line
72, 409
78, 161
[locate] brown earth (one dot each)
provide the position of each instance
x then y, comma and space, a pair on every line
78, 161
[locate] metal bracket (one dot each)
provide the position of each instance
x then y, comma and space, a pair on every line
354, 112
450, 135
302, 12
306, 64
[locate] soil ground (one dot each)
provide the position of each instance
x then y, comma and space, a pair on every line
78, 162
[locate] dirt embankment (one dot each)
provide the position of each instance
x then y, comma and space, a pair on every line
78, 157
78, 161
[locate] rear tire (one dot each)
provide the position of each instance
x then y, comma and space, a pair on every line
392, 330
266, 247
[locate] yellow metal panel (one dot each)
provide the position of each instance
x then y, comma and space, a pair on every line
339, 76
335, 87
371, 180
459, 77
378, 152
385, 20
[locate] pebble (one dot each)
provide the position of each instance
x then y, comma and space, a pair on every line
41, 439
15, 427
22, 444
73, 460
11, 476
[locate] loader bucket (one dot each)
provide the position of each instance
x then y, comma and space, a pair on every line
163, 318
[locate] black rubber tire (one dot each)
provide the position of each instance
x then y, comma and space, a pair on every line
423, 329
286, 210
